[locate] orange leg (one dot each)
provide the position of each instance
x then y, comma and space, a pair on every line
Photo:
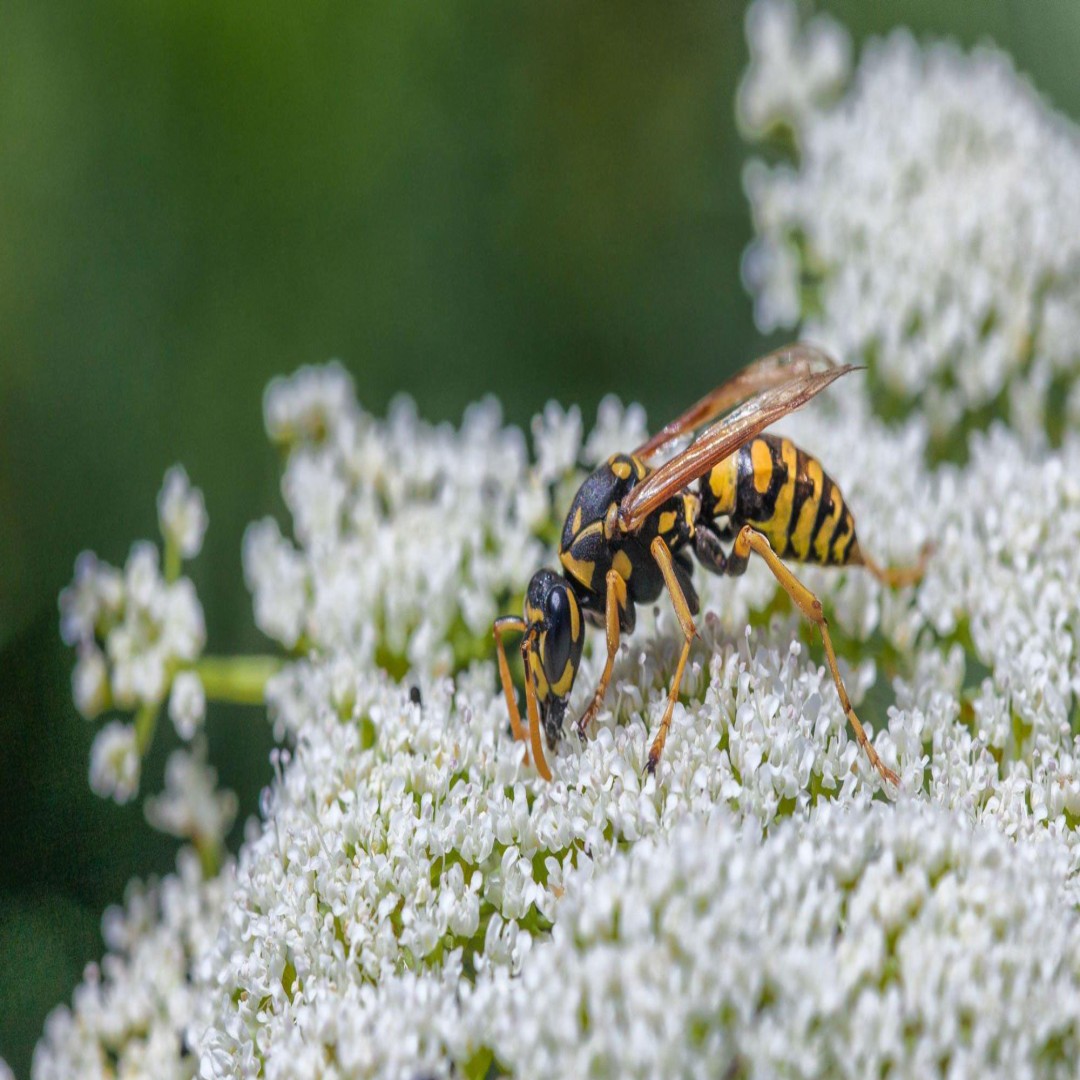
896, 577
616, 600
662, 554
534, 714
513, 625
748, 540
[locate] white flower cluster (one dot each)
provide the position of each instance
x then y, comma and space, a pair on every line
394, 522
405, 841
408, 536
192, 807
793, 70
938, 242
307, 406
115, 762
392, 915
129, 1014
991, 635
187, 704
895, 941
182, 513
409, 837
132, 629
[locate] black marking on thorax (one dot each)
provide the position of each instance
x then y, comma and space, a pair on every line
588, 552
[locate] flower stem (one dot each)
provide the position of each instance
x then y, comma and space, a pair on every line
145, 723
209, 851
240, 680
172, 561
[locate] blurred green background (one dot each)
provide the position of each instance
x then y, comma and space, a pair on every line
455, 199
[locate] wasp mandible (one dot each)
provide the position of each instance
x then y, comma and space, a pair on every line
632, 529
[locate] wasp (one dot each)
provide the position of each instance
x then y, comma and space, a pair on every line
633, 528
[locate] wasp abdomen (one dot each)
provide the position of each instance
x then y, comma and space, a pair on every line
784, 493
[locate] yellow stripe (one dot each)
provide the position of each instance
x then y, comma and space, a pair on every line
575, 617
622, 566
761, 459
785, 498
828, 527
722, 482
639, 466
667, 521
840, 548
610, 522
691, 509
575, 525
808, 512
540, 678
621, 469
582, 569
566, 680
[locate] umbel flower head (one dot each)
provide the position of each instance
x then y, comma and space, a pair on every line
132, 630
416, 901
939, 242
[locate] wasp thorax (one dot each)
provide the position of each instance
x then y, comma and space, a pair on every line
553, 638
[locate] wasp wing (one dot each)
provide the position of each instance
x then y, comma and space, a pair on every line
722, 440
777, 368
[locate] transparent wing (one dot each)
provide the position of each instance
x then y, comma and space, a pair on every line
722, 440
784, 365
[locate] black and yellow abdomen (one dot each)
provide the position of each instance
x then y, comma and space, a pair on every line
785, 494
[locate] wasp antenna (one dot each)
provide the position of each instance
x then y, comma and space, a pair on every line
534, 714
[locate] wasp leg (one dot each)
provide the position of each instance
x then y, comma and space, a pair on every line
896, 577
616, 602
749, 540
534, 714
710, 552
513, 625
662, 554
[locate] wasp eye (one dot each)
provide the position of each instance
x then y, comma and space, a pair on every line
553, 615
558, 639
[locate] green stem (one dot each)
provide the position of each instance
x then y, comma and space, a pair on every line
172, 562
145, 723
209, 856
240, 680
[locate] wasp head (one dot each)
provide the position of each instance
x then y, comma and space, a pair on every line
551, 648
